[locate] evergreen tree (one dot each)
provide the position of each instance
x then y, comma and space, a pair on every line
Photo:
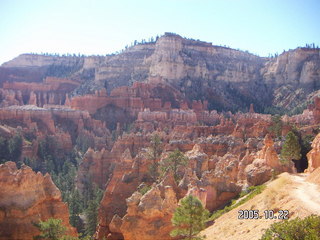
291, 148
52, 229
91, 215
4, 151
15, 147
189, 218
153, 154
92, 211
173, 162
276, 126
75, 208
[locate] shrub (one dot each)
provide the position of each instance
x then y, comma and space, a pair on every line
296, 229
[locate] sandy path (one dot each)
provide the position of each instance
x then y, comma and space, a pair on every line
308, 193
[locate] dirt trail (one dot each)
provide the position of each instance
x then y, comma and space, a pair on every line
306, 192
290, 192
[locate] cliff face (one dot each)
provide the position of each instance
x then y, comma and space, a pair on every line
176, 58
228, 79
28, 197
314, 155
295, 74
300, 66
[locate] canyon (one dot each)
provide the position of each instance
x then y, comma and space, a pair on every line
102, 113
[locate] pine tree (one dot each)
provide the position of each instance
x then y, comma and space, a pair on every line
173, 162
153, 154
75, 208
52, 229
92, 211
291, 148
4, 151
91, 215
15, 147
189, 218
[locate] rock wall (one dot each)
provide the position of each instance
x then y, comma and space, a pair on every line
314, 155
26, 198
53, 90
151, 212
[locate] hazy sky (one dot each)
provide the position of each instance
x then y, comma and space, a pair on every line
105, 26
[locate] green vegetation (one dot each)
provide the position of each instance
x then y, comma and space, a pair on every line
291, 149
62, 165
64, 70
144, 189
276, 126
243, 197
306, 144
4, 151
83, 142
296, 229
91, 212
173, 162
52, 229
189, 218
75, 209
11, 149
274, 110
299, 109
153, 154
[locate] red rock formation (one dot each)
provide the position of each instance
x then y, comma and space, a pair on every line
251, 110
49, 84
198, 160
316, 110
51, 91
268, 153
266, 164
28, 197
126, 177
10, 97
149, 215
93, 168
219, 188
314, 155
200, 193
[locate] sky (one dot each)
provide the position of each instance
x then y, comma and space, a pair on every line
106, 26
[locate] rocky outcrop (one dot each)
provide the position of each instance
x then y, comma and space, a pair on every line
52, 90
294, 66
149, 215
46, 119
314, 155
94, 168
26, 198
266, 164
126, 176
268, 153
198, 160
